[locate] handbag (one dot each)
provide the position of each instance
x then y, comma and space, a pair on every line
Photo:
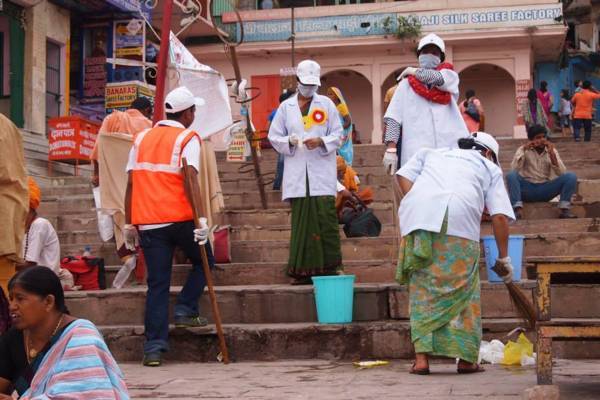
360, 221
471, 111
222, 244
88, 272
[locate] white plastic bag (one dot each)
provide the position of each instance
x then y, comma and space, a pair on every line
491, 352
105, 221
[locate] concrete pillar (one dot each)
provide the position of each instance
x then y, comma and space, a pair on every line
376, 82
523, 82
34, 96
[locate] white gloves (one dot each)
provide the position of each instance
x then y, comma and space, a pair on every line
407, 71
295, 140
130, 235
506, 262
239, 91
201, 234
390, 161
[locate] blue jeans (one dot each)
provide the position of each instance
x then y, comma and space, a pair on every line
279, 173
159, 246
521, 190
586, 124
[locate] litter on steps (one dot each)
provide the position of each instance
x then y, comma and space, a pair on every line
513, 353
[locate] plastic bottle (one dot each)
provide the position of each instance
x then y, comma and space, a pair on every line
87, 252
124, 272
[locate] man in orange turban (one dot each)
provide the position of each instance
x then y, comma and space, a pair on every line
41, 246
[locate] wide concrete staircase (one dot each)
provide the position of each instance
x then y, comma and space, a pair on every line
266, 318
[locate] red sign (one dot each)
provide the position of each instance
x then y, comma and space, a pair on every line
71, 138
95, 78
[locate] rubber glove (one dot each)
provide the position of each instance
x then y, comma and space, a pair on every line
407, 71
507, 263
201, 234
390, 161
132, 239
295, 140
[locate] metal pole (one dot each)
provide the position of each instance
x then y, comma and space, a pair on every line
163, 56
293, 38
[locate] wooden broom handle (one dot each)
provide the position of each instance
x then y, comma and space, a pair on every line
206, 267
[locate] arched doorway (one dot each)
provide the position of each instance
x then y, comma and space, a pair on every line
495, 88
388, 83
357, 91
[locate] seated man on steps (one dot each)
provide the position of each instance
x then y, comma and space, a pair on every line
538, 174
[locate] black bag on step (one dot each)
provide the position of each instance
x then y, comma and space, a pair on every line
360, 221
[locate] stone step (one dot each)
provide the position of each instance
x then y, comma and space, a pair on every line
258, 304
386, 247
269, 342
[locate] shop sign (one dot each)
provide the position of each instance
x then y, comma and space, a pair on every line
373, 24
522, 87
94, 79
71, 138
239, 150
130, 39
119, 96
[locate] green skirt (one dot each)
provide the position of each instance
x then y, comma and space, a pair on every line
315, 247
443, 281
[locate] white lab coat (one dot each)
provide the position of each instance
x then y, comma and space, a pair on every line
319, 164
426, 124
460, 181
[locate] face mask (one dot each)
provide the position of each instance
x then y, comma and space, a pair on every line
429, 61
307, 91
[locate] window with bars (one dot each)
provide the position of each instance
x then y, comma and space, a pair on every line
53, 75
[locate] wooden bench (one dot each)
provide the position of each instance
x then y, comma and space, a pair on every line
549, 329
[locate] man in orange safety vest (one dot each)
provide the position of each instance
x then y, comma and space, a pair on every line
159, 217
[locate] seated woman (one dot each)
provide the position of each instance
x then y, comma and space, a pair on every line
349, 192
48, 353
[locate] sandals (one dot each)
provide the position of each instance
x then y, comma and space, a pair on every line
475, 370
415, 371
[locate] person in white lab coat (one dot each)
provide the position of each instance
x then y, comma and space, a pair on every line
307, 131
446, 191
423, 112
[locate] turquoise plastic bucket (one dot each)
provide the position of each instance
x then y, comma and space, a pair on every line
334, 296
515, 252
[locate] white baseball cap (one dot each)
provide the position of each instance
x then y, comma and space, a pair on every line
433, 39
309, 73
487, 141
181, 99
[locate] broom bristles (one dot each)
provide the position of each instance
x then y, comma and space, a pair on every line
522, 304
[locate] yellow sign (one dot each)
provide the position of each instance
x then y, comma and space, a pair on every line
119, 96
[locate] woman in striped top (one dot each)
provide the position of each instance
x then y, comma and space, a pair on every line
48, 353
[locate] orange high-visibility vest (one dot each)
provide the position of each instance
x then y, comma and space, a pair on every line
158, 193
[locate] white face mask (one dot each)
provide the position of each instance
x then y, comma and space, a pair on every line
307, 91
429, 61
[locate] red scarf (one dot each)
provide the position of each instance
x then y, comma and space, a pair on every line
434, 94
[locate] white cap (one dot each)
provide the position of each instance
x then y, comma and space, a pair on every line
181, 99
309, 73
434, 39
487, 141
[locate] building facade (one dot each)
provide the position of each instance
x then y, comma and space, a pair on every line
493, 46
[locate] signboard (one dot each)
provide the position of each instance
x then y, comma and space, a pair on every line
71, 138
130, 39
119, 96
373, 24
94, 79
239, 150
522, 86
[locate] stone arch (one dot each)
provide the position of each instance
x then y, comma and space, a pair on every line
357, 91
495, 87
388, 83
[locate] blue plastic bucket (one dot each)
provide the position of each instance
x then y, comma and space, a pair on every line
334, 296
515, 252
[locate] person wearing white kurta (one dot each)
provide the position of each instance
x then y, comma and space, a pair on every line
446, 191
306, 130
424, 123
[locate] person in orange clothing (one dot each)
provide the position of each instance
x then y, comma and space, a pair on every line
14, 198
131, 122
158, 203
583, 102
